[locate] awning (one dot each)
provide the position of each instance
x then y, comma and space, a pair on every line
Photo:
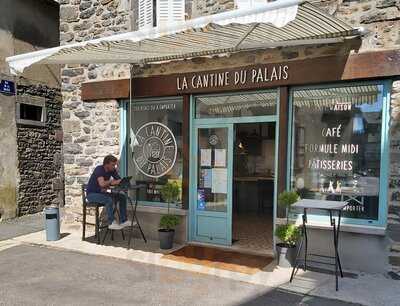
275, 24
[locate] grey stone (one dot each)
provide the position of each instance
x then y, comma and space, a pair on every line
84, 162
72, 72
385, 3
69, 159
82, 26
66, 37
64, 27
72, 148
85, 5
373, 16
69, 13
82, 114
82, 139
88, 13
92, 75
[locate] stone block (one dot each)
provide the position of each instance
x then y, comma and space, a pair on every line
69, 13
72, 148
71, 126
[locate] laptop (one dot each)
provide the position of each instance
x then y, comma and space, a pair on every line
125, 183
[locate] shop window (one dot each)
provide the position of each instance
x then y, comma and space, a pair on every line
30, 110
337, 146
155, 146
246, 105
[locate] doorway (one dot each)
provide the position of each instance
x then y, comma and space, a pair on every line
233, 145
253, 186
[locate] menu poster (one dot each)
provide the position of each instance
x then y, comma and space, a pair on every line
205, 157
220, 158
207, 178
219, 180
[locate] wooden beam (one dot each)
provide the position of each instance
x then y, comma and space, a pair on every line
104, 90
378, 64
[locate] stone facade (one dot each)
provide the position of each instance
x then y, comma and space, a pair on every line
39, 155
91, 130
88, 127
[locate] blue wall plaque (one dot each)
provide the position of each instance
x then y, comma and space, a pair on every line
7, 87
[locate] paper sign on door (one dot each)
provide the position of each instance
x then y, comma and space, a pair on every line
205, 157
219, 180
220, 158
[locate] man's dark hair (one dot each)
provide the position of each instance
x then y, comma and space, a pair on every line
109, 159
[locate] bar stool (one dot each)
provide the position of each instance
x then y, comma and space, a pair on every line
85, 206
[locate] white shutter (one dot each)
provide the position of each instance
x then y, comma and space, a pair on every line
245, 4
145, 14
259, 2
169, 11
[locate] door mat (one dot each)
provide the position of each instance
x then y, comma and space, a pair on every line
220, 259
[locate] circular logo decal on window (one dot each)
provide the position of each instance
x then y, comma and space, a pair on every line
213, 140
154, 149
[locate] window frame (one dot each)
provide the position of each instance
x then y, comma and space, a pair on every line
385, 155
30, 100
124, 107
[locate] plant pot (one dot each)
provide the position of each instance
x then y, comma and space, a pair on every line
286, 254
166, 238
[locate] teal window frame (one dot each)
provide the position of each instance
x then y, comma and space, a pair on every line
384, 165
123, 141
201, 122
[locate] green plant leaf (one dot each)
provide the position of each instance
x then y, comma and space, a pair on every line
288, 233
169, 222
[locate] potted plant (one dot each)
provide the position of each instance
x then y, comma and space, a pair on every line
170, 193
288, 234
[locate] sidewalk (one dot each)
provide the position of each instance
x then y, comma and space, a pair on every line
21, 226
366, 289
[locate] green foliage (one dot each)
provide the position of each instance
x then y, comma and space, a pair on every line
170, 191
169, 222
288, 198
288, 234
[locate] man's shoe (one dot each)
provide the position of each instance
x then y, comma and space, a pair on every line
126, 224
115, 226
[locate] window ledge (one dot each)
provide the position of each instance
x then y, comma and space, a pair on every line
349, 228
162, 210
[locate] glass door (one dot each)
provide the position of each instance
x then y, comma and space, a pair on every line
213, 184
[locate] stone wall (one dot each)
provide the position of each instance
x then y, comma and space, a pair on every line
91, 130
40, 155
89, 127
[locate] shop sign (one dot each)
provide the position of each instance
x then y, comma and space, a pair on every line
7, 87
154, 149
233, 78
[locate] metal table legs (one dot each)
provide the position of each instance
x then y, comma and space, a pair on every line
304, 241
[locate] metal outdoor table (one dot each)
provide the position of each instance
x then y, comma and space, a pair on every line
116, 190
332, 207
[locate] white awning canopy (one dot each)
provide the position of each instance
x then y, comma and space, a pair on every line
275, 24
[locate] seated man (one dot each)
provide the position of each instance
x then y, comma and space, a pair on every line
99, 182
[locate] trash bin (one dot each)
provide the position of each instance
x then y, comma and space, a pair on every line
52, 222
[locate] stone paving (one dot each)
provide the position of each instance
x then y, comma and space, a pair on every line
21, 226
364, 289
32, 275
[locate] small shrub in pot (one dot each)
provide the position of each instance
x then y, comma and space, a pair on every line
170, 193
288, 234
